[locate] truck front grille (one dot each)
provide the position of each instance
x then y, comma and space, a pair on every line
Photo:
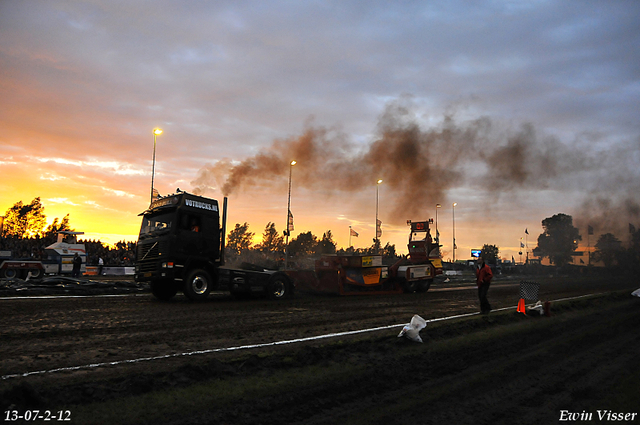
148, 255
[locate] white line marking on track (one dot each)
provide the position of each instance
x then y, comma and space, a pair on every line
54, 297
247, 347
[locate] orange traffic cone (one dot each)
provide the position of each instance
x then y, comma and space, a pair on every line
521, 307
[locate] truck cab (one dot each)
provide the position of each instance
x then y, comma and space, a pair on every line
61, 253
424, 261
179, 246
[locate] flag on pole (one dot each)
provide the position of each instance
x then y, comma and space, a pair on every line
155, 194
378, 228
353, 232
590, 230
521, 244
290, 224
526, 231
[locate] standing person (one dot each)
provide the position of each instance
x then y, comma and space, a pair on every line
77, 263
100, 265
483, 280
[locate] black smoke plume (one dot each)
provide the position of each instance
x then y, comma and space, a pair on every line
419, 166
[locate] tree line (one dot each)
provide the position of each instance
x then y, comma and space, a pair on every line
559, 241
270, 251
25, 234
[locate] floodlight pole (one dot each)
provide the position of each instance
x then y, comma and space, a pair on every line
156, 132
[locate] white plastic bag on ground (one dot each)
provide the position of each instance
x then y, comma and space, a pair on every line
636, 293
538, 307
412, 330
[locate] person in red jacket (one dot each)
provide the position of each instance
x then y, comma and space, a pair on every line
483, 279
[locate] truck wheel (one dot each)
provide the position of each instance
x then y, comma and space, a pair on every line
424, 285
198, 285
163, 291
410, 286
279, 287
10, 273
36, 273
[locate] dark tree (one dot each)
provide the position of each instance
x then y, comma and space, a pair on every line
240, 239
55, 227
271, 240
24, 221
490, 254
559, 239
629, 259
303, 244
608, 249
326, 245
389, 251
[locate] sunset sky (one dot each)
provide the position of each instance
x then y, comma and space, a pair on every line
516, 110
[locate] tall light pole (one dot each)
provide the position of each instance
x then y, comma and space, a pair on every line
437, 234
288, 231
454, 231
156, 132
377, 240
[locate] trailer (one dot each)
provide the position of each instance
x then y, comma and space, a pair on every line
367, 275
59, 259
352, 275
11, 269
181, 248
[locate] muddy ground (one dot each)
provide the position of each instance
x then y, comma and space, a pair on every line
500, 368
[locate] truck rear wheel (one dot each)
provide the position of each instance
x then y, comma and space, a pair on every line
36, 273
424, 285
10, 273
163, 291
410, 286
279, 287
198, 285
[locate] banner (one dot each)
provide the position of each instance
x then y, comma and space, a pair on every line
290, 225
378, 229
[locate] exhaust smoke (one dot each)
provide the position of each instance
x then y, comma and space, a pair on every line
419, 166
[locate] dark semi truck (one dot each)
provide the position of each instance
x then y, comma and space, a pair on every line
181, 248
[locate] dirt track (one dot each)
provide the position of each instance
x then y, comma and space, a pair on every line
45, 334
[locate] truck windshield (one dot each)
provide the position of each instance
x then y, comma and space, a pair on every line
418, 236
153, 225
